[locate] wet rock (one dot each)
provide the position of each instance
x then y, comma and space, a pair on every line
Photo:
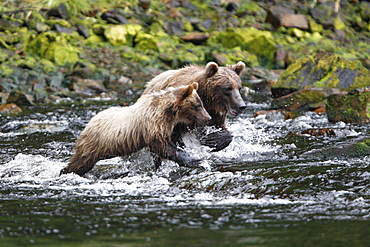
276, 114
61, 29
300, 100
83, 30
320, 132
275, 14
207, 24
263, 86
322, 70
175, 28
294, 20
232, 6
327, 15
59, 12
10, 108
195, 38
88, 87
6, 25
42, 27
260, 80
145, 4
358, 148
114, 17
19, 98
350, 107
121, 85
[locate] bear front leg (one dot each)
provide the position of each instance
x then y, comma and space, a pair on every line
217, 140
170, 151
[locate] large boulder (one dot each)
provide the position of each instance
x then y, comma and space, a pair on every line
280, 16
322, 70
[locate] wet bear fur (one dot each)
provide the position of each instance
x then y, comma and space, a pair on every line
120, 131
219, 90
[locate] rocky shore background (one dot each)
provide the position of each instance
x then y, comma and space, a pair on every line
301, 55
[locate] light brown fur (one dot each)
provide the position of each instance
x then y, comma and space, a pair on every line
218, 88
120, 131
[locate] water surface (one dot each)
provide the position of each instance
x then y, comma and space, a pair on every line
273, 186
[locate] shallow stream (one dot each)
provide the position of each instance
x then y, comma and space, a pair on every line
273, 186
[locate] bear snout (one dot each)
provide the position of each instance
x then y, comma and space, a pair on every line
242, 108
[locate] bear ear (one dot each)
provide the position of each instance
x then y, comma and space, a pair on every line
184, 92
211, 69
195, 85
238, 68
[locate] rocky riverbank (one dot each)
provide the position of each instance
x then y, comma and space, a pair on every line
68, 51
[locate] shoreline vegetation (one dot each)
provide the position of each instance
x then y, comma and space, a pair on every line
53, 51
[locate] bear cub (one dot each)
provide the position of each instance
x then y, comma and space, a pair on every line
119, 131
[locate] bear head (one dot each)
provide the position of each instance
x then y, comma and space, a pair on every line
220, 91
190, 107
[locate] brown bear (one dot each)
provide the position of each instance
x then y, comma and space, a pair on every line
119, 131
219, 90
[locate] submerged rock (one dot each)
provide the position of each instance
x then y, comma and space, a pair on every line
358, 148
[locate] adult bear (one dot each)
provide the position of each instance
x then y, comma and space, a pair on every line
219, 90
119, 131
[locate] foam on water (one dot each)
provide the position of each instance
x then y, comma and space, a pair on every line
253, 138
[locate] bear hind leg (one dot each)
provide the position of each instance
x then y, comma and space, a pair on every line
79, 166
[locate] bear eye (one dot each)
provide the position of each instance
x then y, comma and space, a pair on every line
227, 90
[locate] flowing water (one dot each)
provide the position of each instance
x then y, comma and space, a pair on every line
273, 186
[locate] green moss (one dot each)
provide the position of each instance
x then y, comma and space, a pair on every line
47, 65
61, 22
122, 34
5, 70
351, 108
315, 27
94, 40
135, 56
339, 24
236, 55
54, 48
324, 70
146, 42
259, 43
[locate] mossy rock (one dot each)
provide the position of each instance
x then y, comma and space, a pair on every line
349, 108
259, 43
5, 70
183, 55
54, 48
146, 42
95, 41
122, 34
324, 70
